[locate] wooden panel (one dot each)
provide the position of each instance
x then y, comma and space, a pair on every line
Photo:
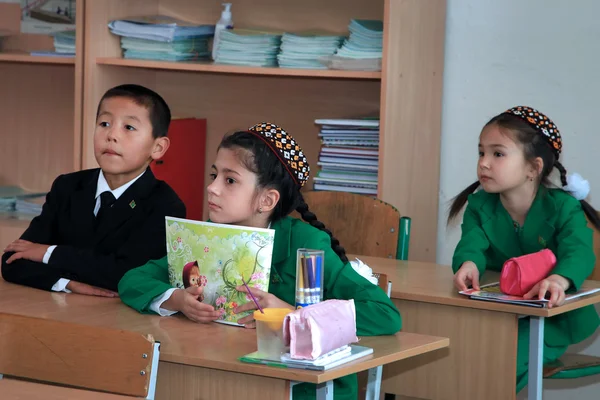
411, 101
13, 389
235, 69
177, 381
351, 217
37, 124
79, 69
28, 42
21, 57
99, 42
10, 17
236, 102
11, 229
290, 15
75, 355
477, 338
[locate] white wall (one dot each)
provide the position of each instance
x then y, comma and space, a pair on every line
541, 53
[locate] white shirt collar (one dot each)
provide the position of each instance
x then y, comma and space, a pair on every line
102, 186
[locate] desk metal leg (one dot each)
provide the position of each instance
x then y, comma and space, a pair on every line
374, 383
536, 358
325, 391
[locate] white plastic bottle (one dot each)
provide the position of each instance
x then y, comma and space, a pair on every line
224, 23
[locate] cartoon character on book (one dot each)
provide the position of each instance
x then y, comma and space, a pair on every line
191, 277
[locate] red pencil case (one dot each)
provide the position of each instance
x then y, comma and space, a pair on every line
520, 274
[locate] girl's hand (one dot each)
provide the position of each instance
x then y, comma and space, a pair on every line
555, 285
188, 301
266, 300
467, 275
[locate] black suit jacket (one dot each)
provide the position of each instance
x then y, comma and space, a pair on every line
131, 233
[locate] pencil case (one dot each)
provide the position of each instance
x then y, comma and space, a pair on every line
316, 330
520, 274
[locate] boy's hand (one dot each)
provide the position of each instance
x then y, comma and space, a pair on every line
467, 275
555, 285
27, 250
265, 300
188, 301
89, 290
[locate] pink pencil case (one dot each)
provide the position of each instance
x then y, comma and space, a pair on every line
520, 274
320, 328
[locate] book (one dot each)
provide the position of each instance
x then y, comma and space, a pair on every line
217, 257
492, 292
327, 361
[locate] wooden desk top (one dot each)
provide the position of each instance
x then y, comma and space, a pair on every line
213, 345
432, 283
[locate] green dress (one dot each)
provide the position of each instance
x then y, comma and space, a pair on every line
555, 221
375, 312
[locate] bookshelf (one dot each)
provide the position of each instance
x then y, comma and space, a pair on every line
41, 122
406, 95
29, 59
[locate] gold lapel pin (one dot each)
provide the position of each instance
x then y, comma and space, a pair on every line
132, 204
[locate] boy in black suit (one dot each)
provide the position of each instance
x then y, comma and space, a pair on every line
98, 224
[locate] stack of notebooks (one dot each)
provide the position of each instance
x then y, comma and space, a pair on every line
333, 359
349, 157
248, 47
304, 50
64, 45
363, 49
17, 202
163, 38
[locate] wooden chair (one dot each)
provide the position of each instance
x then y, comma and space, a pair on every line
572, 366
50, 359
364, 225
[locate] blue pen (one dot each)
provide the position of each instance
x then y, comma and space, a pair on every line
319, 276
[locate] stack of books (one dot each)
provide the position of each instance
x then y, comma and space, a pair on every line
163, 38
64, 45
349, 157
304, 50
362, 50
15, 202
248, 47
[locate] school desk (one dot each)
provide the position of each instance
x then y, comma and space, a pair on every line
201, 361
481, 360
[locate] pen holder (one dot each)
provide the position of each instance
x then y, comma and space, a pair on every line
310, 266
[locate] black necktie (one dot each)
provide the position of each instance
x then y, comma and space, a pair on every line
107, 199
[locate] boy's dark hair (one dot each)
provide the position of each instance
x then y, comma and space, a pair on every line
534, 145
158, 110
257, 157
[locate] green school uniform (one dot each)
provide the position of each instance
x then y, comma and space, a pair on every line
555, 221
375, 313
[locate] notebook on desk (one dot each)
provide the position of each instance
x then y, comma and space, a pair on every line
491, 292
330, 360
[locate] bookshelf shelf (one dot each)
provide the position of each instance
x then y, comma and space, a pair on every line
234, 69
29, 59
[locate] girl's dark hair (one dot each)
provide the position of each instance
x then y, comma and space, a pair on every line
534, 145
257, 157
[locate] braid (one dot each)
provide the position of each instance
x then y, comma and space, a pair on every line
311, 218
589, 211
563, 172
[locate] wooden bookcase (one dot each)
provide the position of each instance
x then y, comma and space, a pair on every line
406, 94
40, 110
